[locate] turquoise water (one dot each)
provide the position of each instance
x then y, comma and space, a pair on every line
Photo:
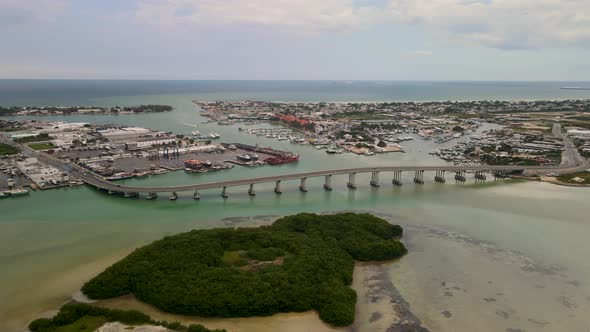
509, 254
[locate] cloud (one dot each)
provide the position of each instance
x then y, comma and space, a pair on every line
504, 24
306, 15
420, 53
14, 12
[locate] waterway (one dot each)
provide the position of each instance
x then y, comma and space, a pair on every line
499, 256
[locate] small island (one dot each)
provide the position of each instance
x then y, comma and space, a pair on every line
71, 110
299, 263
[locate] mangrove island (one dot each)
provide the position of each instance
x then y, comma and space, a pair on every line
299, 263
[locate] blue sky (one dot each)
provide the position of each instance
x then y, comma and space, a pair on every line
289, 39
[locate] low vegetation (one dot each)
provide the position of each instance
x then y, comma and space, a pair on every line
42, 146
300, 263
36, 138
7, 150
583, 178
85, 318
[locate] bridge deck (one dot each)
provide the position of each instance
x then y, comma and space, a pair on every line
107, 185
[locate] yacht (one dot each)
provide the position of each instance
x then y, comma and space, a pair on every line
196, 133
151, 196
174, 196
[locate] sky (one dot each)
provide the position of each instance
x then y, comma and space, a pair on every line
521, 40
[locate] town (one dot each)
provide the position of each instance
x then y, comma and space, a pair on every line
69, 110
526, 132
114, 152
473, 134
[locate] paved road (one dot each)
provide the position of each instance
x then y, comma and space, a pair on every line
571, 156
99, 182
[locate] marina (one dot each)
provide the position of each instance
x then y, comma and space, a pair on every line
494, 225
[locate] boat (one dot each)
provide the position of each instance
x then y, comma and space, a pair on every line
196, 133
207, 163
232, 147
3, 195
16, 192
282, 159
174, 196
245, 157
151, 196
193, 164
158, 171
331, 150
120, 176
213, 135
131, 195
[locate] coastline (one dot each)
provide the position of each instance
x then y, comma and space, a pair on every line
379, 307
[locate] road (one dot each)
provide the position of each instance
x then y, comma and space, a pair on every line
99, 182
571, 156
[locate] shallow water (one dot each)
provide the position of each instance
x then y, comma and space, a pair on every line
482, 257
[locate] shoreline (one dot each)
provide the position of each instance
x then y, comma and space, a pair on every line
375, 290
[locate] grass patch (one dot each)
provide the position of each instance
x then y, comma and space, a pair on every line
568, 178
233, 258
84, 324
7, 150
41, 146
37, 138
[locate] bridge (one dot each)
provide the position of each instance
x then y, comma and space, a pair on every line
458, 173
480, 173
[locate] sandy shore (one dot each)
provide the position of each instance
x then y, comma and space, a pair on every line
284, 322
379, 307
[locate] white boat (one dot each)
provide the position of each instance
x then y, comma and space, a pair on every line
195, 133
174, 196
213, 135
158, 171
16, 192
3, 195
151, 196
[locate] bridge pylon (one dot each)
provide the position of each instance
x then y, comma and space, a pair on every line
397, 178
278, 187
303, 185
328, 182
375, 179
419, 177
351, 181
440, 176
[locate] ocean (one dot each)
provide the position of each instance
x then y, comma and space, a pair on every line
497, 256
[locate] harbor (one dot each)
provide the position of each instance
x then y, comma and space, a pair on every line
494, 225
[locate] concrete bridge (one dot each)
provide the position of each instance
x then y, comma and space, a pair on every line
458, 173
441, 173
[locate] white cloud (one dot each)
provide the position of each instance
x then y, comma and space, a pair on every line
14, 12
307, 15
506, 24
